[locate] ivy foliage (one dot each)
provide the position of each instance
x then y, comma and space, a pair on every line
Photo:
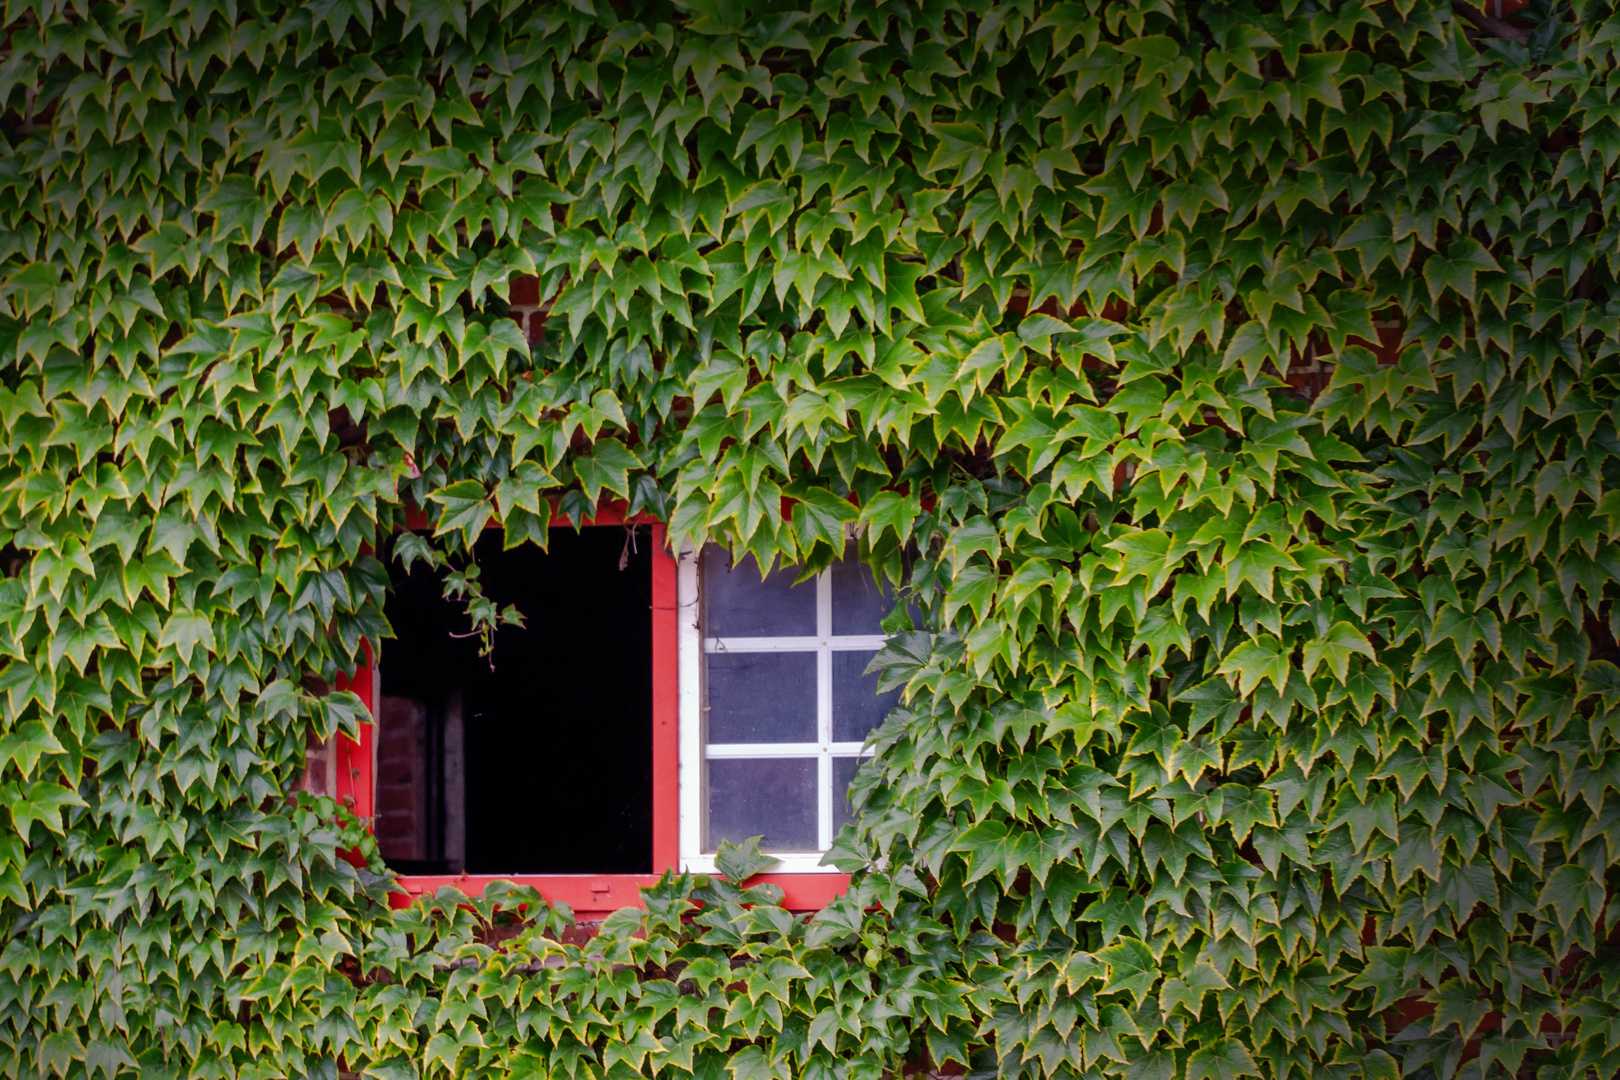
1262, 723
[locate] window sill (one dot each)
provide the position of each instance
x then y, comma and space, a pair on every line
593, 896
786, 865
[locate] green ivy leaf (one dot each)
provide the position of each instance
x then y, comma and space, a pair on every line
466, 508
739, 862
1336, 647
607, 468
1224, 1059
1131, 967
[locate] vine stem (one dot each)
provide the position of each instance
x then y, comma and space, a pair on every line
1490, 23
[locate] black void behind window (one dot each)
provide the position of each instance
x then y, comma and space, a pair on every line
542, 765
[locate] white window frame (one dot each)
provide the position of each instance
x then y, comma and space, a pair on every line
693, 645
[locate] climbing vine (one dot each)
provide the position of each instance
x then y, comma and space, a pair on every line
1240, 374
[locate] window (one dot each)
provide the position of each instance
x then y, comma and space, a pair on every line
648, 710
536, 759
773, 732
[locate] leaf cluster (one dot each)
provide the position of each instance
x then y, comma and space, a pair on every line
1231, 386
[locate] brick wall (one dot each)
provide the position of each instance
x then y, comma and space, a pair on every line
401, 822
526, 307
320, 768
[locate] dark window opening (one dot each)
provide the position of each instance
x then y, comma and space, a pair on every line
542, 765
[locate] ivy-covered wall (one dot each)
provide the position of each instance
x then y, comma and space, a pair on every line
1264, 724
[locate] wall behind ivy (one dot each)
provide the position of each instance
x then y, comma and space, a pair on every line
1261, 725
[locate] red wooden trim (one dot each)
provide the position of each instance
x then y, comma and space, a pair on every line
586, 894
354, 783
807, 892
597, 895
666, 708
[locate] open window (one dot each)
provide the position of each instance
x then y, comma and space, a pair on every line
648, 709
553, 760
535, 759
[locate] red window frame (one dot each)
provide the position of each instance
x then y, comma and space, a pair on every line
591, 896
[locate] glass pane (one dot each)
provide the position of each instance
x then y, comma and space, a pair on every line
773, 797
737, 604
858, 604
857, 707
762, 697
843, 772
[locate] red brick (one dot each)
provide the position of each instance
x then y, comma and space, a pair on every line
395, 825
392, 800
525, 290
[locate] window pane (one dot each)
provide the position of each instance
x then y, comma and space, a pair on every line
843, 772
858, 604
762, 697
773, 797
857, 705
737, 604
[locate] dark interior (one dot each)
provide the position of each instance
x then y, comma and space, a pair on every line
557, 735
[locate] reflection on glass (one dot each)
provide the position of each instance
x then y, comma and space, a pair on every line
843, 771
858, 605
738, 604
762, 697
857, 707
770, 797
